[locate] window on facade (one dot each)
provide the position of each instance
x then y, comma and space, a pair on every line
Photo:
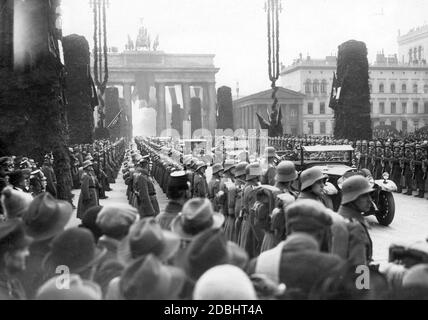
426, 107
415, 88
403, 88
426, 88
322, 127
323, 86
381, 107
322, 108
392, 87
393, 107
310, 108
404, 107
404, 126
381, 88
416, 124
315, 86
415, 107
308, 86
293, 113
394, 124
311, 127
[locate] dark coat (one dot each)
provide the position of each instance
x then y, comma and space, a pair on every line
50, 180
165, 218
88, 195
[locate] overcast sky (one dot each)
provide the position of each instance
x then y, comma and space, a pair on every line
236, 32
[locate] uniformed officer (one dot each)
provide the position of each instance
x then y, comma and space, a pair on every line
409, 167
419, 172
268, 176
200, 185
285, 175
88, 195
147, 203
356, 200
214, 186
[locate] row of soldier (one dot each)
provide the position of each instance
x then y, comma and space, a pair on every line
251, 200
25, 174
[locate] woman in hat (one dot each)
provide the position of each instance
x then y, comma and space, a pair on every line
88, 195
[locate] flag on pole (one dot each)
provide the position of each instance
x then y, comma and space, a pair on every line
334, 93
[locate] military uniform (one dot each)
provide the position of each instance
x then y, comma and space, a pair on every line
420, 170
409, 167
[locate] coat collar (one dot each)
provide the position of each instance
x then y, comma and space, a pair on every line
351, 213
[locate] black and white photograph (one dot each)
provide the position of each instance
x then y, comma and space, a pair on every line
213, 150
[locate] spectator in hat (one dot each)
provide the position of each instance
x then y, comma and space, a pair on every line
114, 222
312, 183
45, 218
147, 279
89, 221
15, 203
211, 248
224, 282
13, 253
78, 289
75, 249
178, 194
88, 194
49, 173
197, 215
18, 181
356, 200
310, 216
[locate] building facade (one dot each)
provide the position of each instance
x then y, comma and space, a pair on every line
413, 46
399, 93
290, 102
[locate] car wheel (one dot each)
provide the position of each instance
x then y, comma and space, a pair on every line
386, 207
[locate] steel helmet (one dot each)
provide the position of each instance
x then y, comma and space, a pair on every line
229, 164
240, 169
252, 171
285, 172
309, 176
270, 152
200, 164
354, 187
216, 168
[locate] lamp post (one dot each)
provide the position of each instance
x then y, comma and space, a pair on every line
100, 54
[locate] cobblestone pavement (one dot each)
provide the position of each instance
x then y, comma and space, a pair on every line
410, 223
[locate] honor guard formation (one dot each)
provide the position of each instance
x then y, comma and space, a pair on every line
289, 224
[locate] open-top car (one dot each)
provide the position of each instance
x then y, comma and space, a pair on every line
336, 161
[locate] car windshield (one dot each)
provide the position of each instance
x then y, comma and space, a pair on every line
342, 156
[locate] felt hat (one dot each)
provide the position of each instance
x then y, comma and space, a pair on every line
224, 282
74, 248
15, 202
148, 279
147, 237
115, 220
307, 215
89, 221
12, 236
46, 216
197, 215
77, 289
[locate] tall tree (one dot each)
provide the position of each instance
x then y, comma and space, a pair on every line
32, 95
79, 89
352, 105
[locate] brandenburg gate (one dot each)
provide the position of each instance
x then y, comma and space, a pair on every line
143, 72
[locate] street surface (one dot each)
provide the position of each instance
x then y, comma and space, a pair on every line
410, 223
